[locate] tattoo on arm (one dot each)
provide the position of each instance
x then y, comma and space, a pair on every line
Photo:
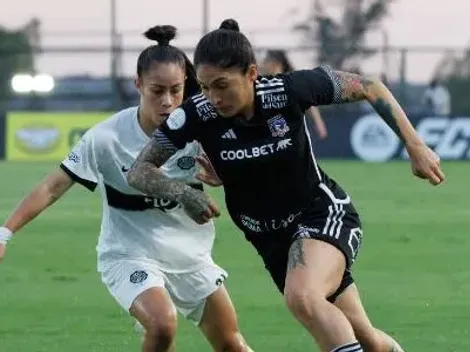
156, 152
145, 175
350, 87
385, 110
296, 255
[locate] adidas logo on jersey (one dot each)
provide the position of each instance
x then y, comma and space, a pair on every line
229, 135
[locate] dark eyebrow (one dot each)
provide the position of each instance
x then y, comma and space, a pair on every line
154, 85
215, 81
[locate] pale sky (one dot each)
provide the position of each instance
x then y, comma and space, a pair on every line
411, 23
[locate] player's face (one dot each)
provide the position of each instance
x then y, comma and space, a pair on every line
161, 90
229, 90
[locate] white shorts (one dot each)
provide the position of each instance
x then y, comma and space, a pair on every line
127, 279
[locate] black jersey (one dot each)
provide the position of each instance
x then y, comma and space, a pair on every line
267, 164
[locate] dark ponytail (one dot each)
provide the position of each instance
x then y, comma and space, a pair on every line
161, 34
163, 52
225, 48
230, 24
191, 86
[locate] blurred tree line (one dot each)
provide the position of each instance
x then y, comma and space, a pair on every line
341, 39
16, 55
339, 28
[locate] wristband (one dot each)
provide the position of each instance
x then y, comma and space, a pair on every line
5, 235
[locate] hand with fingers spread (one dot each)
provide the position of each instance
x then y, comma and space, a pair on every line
198, 205
207, 173
425, 163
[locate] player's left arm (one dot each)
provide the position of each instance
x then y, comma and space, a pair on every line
324, 86
351, 87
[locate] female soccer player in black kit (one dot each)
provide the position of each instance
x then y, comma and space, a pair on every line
300, 221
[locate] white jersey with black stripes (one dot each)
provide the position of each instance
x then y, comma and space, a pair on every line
135, 226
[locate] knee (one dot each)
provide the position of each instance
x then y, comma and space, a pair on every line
303, 302
233, 342
371, 341
161, 330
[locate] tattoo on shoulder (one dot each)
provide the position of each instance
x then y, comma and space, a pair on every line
352, 87
296, 255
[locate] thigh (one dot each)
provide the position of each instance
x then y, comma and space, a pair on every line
282, 251
154, 310
335, 222
139, 287
128, 279
189, 291
314, 265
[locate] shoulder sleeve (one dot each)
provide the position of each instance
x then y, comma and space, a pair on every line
179, 128
313, 87
82, 162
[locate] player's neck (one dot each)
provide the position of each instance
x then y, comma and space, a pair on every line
145, 122
248, 112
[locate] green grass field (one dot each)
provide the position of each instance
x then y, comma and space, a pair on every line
412, 270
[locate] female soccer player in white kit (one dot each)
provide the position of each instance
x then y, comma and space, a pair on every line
152, 257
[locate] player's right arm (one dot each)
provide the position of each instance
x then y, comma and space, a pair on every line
46, 193
80, 166
145, 175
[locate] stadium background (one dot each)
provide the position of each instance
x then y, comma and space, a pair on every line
413, 268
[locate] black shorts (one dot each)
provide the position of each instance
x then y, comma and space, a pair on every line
331, 217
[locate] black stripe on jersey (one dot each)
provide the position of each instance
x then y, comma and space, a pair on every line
135, 202
90, 185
